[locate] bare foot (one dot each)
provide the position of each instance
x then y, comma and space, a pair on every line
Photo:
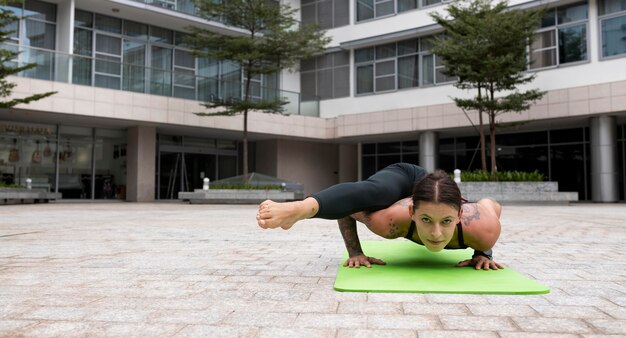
284, 215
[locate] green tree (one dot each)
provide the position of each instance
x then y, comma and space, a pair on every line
485, 46
8, 66
269, 39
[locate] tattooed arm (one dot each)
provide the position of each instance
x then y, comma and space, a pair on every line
481, 226
347, 227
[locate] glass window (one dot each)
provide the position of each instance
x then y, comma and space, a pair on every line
134, 66
613, 36
406, 5
408, 47
82, 42
386, 51
573, 44
163, 35
180, 39
611, 6
83, 19
364, 55
365, 79
571, 13
184, 59
428, 70
135, 29
34, 9
408, 72
430, 2
108, 44
341, 14
364, 10
326, 76
40, 34
563, 38
384, 7
108, 24
389, 148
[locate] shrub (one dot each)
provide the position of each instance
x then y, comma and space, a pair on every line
13, 186
502, 176
245, 186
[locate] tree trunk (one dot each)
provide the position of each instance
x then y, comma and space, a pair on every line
492, 133
481, 133
245, 146
492, 139
245, 126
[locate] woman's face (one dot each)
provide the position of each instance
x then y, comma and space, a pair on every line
435, 224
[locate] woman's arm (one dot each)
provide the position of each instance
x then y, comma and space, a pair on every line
356, 257
481, 228
481, 224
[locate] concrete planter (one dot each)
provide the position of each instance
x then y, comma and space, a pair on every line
25, 196
234, 196
517, 192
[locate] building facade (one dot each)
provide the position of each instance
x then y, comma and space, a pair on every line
122, 123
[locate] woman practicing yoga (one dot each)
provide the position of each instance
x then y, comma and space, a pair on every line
436, 215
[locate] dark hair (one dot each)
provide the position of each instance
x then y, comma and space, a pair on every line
437, 187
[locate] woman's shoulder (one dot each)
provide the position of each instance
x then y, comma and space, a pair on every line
481, 223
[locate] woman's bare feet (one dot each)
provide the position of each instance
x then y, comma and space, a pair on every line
284, 215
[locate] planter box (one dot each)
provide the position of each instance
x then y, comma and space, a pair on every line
25, 196
234, 196
517, 192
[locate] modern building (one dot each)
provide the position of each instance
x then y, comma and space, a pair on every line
122, 123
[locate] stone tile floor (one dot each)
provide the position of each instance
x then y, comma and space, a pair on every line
161, 269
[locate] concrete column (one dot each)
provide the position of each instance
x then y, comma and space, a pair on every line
429, 150
64, 41
348, 163
604, 175
141, 164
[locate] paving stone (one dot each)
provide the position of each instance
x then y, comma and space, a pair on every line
380, 308
314, 320
171, 269
459, 333
363, 333
410, 322
609, 326
272, 332
487, 310
477, 323
554, 325
536, 335
569, 311
260, 319
435, 309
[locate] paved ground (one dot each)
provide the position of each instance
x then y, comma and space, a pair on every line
159, 269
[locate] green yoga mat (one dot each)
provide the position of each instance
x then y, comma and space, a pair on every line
412, 268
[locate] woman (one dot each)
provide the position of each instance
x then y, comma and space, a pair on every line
434, 216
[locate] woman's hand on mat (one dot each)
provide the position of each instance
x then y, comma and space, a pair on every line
481, 263
357, 261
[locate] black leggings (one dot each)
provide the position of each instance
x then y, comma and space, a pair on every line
379, 191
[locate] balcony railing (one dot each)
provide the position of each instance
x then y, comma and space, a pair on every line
185, 84
184, 6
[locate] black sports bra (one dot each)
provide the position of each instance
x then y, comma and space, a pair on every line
459, 229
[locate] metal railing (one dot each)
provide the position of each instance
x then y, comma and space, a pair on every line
184, 6
184, 83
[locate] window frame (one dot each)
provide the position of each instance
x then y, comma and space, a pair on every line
601, 19
556, 28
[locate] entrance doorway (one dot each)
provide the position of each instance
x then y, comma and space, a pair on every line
184, 168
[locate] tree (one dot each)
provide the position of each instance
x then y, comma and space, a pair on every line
272, 40
8, 65
485, 47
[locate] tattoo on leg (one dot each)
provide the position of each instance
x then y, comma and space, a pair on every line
394, 232
470, 213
